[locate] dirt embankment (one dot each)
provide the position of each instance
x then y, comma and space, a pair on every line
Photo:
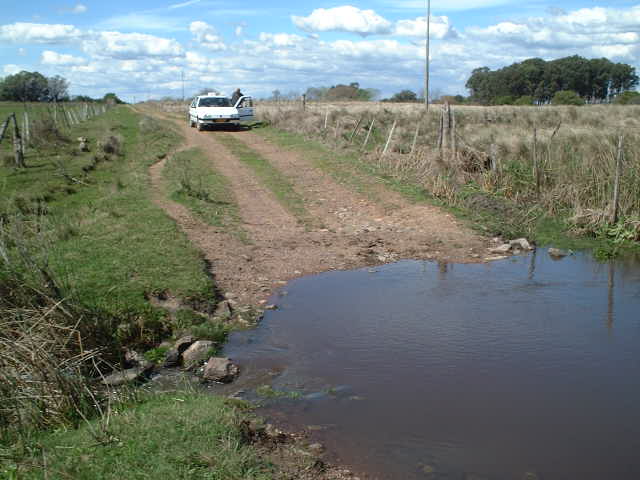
350, 229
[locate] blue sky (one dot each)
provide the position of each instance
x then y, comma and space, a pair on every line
143, 48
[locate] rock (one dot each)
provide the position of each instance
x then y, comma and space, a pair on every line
270, 307
183, 343
127, 376
504, 248
172, 358
133, 358
522, 243
196, 354
275, 435
316, 448
220, 370
557, 253
223, 309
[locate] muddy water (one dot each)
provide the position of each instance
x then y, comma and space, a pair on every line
523, 368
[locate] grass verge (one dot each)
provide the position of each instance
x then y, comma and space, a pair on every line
181, 435
271, 178
193, 181
89, 217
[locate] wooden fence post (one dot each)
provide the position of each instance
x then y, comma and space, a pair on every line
326, 118
355, 129
366, 139
304, 102
493, 153
616, 182
415, 138
3, 128
18, 151
454, 141
536, 167
386, 146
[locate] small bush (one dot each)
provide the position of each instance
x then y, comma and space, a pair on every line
112, 145
524, 100
567, 97
628, 98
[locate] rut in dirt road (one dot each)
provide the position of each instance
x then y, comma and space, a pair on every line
349, 230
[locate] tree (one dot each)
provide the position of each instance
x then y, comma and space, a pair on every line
58, 88
404, 96
595, 80
112, 99
25, 87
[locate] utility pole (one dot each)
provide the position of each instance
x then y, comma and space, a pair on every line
182, 78
426, 71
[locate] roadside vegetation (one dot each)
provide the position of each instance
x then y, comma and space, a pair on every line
193, 181
271, 177
546, 173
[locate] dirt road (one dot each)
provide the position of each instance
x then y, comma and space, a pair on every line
349, 230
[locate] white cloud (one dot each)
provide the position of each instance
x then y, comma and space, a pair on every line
281, 39
53, 58
11, 69
585, 29
39, 33
445, 5
183, 4
79, 8
343, 19
143, 22
439, 28
207, 36
127, 46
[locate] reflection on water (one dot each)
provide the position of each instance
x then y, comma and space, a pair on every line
432, 370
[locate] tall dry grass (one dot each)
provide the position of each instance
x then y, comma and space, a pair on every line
575, 153
51, 349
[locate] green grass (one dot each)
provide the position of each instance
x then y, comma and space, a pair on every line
194, 182
271, 178
109, 243
178, 435
346, 167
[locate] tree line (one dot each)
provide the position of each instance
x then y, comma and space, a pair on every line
538, 81
35, 87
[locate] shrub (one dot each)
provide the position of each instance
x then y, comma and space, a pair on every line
567, 97
628, 98
524, 100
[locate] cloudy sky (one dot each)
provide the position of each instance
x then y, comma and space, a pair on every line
142, 48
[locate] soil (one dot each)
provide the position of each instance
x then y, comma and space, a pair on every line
349, 230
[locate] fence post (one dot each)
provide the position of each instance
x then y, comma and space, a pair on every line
366, 139
536, 167
304, 102
355, 129
386, 146
326, 118
616, 184
415, 137
493, 152
3, 129
18, 151
454, 141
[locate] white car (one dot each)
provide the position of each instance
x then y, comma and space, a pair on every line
211, 109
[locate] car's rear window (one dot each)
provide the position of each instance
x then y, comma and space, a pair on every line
214, 102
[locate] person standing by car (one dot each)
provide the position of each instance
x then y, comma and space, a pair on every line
236, 96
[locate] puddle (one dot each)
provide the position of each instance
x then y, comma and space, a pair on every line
522, 368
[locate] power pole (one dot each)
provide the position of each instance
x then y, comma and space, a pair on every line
426, 71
